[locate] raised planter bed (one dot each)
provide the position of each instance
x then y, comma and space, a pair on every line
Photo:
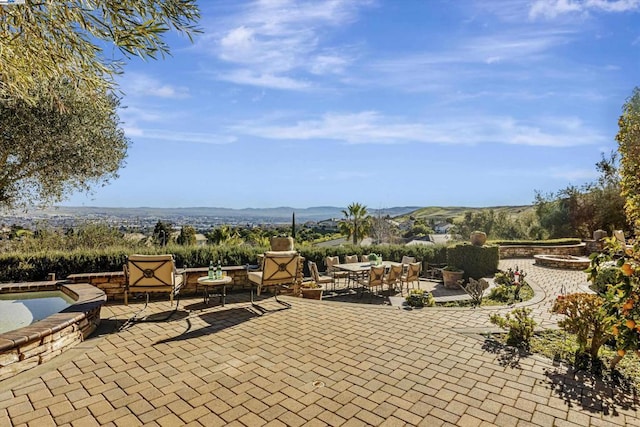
529, 251
567, 262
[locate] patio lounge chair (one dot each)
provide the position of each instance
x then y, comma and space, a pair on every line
279, 268
152, 273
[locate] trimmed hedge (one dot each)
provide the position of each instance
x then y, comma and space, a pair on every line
476, 261
23, 267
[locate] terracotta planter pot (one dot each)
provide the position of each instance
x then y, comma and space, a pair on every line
309, 293
450, 278
478, 238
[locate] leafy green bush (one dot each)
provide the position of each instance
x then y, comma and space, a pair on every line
607, 276
501, 293
476, 261
420, 298
586, 318
502, 278
519, 324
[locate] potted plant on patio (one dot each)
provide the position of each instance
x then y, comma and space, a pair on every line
311, 290
451, 275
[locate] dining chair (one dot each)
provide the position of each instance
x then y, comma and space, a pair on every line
352, 277
392, 278
329, 263
350, 259
364, 258
408, 259
412, 276
375, 278
320, 279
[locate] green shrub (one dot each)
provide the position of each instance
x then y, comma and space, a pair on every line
586, 318
607, 276
476, 261
34, 266
519, 324
501, 293
420, 298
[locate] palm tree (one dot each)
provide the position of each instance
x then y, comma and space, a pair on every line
356, 223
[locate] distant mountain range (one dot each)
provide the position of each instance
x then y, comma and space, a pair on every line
256, 215
279, 214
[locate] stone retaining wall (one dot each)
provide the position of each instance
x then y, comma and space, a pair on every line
113, 283
527, 251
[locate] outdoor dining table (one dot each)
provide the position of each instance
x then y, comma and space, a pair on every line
360, 267
358, 270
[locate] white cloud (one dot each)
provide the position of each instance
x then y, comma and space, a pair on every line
182, 137
255, 78
145, 85
278, 38
371, 127
551, 9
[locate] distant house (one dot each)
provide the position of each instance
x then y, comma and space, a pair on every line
420, 241
442, 228
329, 224
367, 241
201, 239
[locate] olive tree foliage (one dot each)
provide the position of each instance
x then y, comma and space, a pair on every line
497, 224
628, 138
46, 40
579, 211
46, 153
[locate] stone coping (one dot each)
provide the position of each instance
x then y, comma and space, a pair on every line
562, 261
88, 276
528, 251
87, 298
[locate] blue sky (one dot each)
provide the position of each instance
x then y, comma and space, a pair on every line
381, 102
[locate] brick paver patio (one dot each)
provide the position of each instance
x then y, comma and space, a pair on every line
318, 363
